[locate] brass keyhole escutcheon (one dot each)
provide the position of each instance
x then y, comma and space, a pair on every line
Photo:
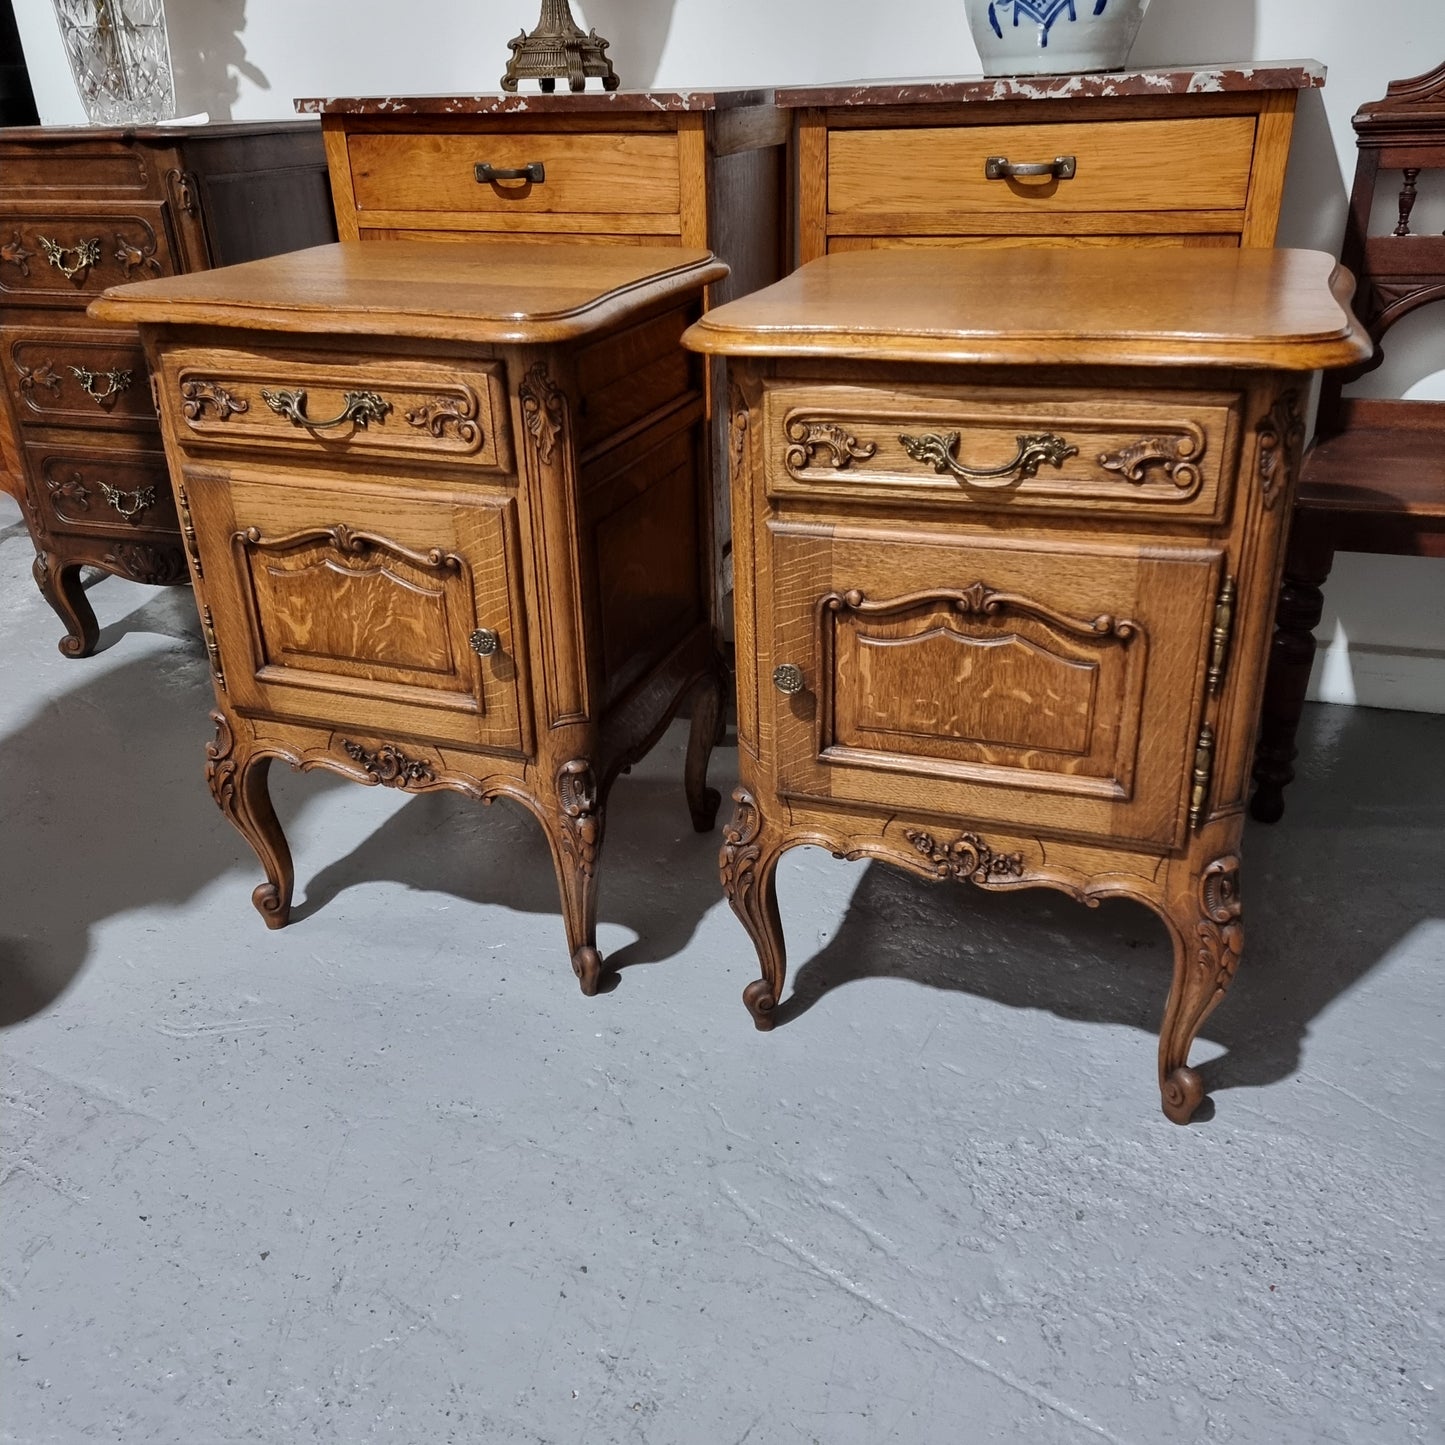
788, 678
484, 642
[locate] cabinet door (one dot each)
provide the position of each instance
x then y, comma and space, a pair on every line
1035, 684
348, 602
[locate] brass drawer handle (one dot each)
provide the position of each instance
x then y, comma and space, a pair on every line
86, 253
484, 642
360, 407
533, 171
129, 504
1001, 168
788, 678
115, 382
1034, 451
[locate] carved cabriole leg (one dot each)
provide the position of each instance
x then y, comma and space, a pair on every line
238, 784
748, 865
707, 710
1204, 921
1292, 652
59, 585
577, 842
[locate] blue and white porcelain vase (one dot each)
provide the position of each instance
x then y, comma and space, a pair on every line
1053, 37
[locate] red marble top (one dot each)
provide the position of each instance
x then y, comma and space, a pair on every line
1180, 80
562, 101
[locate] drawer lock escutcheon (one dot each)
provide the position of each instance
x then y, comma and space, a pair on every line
116, 381
86, 253
484, 642
533, 172
788, 678
940, 451
360, 407
1000, 168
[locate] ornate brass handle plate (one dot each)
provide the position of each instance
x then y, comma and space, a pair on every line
86, 253
940, 449
484, 642
1001, 168
533, 171
361, 407
788, 678
116, 381
129, 504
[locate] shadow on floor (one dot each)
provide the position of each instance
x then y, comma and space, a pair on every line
1357, 864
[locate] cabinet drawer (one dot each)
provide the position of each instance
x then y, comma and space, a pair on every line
598, 173
325, 404
992, 449
115, 490
1031, 685
339, 599
66, 256
1133, 165
1225, 240
77, 378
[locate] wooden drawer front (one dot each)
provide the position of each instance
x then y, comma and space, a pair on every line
51, 167
597, 173
1224, 240
1113, 453
340, 600
393, 407
115, 490
1051, 687
77, 378
1134, 165
68, 256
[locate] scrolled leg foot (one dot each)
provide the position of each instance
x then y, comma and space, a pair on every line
703, 801
748, 867
587, 965
758, 996
60, 586
274, 909
1182, 1093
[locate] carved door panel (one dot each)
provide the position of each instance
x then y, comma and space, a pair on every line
1049, 686
336, 600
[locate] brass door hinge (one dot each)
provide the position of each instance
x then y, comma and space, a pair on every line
1222, 631
1202, 775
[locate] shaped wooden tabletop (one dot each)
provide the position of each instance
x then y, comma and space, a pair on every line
1116, 305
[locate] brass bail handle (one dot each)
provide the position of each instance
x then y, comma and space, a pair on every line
115, 382
360, 407
86, 253
1000, 168
939, 450
129, 504
533, 171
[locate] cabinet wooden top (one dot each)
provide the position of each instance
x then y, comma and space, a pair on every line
1187, 80
588, 102
1039, 306
483, 291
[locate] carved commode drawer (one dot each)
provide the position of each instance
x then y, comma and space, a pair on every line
83, 209
1009, 528
457, 547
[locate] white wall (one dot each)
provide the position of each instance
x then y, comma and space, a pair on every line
246, 59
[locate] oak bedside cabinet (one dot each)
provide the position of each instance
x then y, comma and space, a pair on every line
1182, 157
82, 208
443, 535
1009, 526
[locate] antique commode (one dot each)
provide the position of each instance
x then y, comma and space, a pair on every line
444, 532
1008, 526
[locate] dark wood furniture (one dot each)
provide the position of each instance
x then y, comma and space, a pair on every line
443, 513
1009, 525
1164, 157
84, 208
1374, 480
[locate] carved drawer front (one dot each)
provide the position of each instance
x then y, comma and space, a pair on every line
994, 450
339, 600
332, 405
69, 255
957, 177
1055, 687
511, 173
50, 167
78, 378
117, 490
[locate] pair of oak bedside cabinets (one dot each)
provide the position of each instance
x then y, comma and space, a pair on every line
1006, 518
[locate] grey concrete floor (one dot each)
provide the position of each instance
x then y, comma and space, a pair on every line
387, 1175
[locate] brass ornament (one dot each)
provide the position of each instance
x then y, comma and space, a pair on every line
558, 47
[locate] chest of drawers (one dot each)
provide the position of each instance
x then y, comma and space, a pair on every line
83, 209
1009, 526
443, 533
1158, 157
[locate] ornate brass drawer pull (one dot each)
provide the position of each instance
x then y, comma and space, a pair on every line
939, 449
129, 504
361, 407
116, 381
86, 253
788, 678
484, 642
1001, 168
533, 171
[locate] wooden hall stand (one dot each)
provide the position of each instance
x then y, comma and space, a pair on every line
1008, 528
442, 534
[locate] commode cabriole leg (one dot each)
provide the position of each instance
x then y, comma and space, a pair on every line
748, 866
576, 839
59, 585
707, 711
